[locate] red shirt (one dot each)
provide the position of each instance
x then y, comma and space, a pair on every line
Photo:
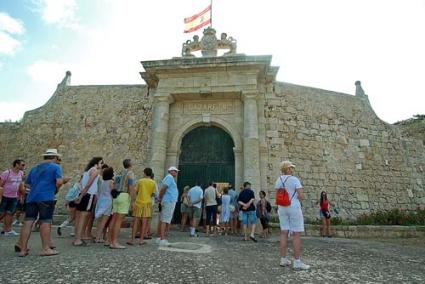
324, 206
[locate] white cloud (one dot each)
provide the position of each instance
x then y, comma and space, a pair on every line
8, 28
60, 12
8, 44
46, 72
1, 65
11, 25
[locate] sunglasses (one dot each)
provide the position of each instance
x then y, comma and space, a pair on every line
22, 165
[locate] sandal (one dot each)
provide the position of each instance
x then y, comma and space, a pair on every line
51, 253
18, 249
129, 243
23, 254
82, 244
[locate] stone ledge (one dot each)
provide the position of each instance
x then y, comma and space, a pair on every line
366, 231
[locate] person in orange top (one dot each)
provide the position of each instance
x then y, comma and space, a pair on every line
145, 189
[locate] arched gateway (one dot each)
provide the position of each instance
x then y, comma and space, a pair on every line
206, 154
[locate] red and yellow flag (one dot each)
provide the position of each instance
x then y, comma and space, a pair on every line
198, 21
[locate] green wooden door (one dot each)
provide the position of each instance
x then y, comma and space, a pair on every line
206, 155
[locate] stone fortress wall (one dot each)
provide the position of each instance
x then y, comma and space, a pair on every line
337, 142
340, 146
83, 122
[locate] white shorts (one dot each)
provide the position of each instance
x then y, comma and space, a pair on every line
167, 211
291, 219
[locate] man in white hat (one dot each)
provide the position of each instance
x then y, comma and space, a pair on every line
168, 195
44, 180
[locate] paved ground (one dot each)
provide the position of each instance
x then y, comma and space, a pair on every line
215, 260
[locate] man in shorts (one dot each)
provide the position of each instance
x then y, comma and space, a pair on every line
12, 183
168, 195
195, 196
246, 201
44, 180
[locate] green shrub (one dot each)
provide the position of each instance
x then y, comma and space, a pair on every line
393, 217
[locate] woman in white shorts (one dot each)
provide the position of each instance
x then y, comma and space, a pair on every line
291, 217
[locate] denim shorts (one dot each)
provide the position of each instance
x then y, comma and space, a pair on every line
8, 205
249, 217
42, 209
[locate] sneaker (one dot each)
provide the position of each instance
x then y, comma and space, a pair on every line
164, 243
284, 262
299, 265
11, 233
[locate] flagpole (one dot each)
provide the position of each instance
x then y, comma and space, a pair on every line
211, 12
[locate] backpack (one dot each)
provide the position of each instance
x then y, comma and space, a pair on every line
119, 181
73, 192
282, 196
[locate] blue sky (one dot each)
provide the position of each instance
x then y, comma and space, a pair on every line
327, 44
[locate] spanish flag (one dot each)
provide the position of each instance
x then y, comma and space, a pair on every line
198, 21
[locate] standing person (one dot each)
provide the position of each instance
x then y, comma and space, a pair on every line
85, 201
246, 201
291, 217
195, 196
145, 190
184, 207
325, 215
233, 210
263, 213
104, 202
225, 210
43, 180
12, 183
210, 197
122, 204
168, 195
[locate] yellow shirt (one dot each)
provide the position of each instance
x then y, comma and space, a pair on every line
145, 187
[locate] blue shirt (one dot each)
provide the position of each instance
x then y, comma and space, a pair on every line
171, 193
195, 194
42, 179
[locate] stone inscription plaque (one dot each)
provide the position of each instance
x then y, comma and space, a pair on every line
213, 107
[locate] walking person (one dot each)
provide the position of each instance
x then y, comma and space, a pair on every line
246, 203
291, 217
12, 183
85, 201
184, 207
145, 190
210, 197
263, 213
103, 209
168, 195
43, 181
195, 196
122, 203
325, 215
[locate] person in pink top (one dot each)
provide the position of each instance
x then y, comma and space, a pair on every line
12, 182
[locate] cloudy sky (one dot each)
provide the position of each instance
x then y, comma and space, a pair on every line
327, 44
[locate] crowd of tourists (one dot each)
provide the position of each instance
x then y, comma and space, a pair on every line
107, 196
